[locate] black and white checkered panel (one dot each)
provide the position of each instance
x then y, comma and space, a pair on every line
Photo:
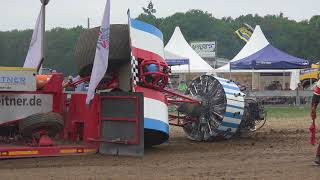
134, 70
169, 80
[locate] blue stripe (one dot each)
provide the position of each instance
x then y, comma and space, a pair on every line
228, 124
237, 107
231, 115
156, 125
142, 26
223, 80
231, 87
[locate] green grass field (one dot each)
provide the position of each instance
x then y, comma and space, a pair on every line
289, 112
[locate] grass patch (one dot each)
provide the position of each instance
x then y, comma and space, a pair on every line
289, 112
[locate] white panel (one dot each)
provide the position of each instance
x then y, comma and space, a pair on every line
233, 97
236, 103
231, 120
155, 109
234, 110
233, 91
17, 80
18, 106
147, 41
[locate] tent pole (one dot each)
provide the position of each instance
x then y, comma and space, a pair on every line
283, 80
310, 82
259, 81
252, 80
189, 73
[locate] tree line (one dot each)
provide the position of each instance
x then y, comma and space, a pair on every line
301, 39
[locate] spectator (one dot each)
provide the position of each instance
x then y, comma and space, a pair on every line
67, 81
299, 86
182, 86
287, 87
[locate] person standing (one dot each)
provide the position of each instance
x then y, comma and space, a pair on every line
182, 87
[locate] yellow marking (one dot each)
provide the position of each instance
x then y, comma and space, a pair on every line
16, 69
18, 153
90, 150
68, 151
80, 150
4, 154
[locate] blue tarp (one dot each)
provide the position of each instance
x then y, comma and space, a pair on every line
173, 62
270, 58
173, 59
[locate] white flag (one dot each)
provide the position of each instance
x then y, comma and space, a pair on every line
34, 56
100, 64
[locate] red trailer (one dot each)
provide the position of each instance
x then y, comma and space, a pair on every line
50, 122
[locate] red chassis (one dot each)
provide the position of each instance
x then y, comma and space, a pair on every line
81, 125
174, 100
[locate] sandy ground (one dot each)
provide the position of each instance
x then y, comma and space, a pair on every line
281, 150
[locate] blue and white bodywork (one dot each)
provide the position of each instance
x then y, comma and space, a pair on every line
235, 108
221, 110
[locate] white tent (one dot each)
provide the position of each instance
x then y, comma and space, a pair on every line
179, 46
256, 43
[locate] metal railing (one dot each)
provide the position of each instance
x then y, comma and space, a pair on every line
294, 97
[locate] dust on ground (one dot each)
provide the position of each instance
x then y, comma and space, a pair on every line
280, 150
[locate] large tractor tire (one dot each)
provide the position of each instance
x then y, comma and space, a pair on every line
86, 47
210, 114
51, 122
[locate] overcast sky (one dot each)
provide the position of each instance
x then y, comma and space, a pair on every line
21, 14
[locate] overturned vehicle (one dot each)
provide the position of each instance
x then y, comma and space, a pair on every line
211, 109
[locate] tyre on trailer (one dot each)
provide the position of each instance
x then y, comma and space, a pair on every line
51, 122
119, 52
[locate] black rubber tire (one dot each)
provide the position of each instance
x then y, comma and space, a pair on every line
52, 122
86, 47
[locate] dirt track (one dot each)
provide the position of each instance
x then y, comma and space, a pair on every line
278, 151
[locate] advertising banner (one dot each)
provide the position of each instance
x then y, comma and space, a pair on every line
205, 49
18, 106
17, 79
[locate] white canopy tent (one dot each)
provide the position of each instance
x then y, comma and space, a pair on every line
256, 43
179, 46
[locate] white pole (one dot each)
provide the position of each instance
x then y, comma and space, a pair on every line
43, 22
43, 26
252, 79
283, 80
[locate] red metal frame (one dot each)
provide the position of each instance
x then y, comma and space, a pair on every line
174, 99
110, 82
85, 121
136, 119
162, 74
74, 113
